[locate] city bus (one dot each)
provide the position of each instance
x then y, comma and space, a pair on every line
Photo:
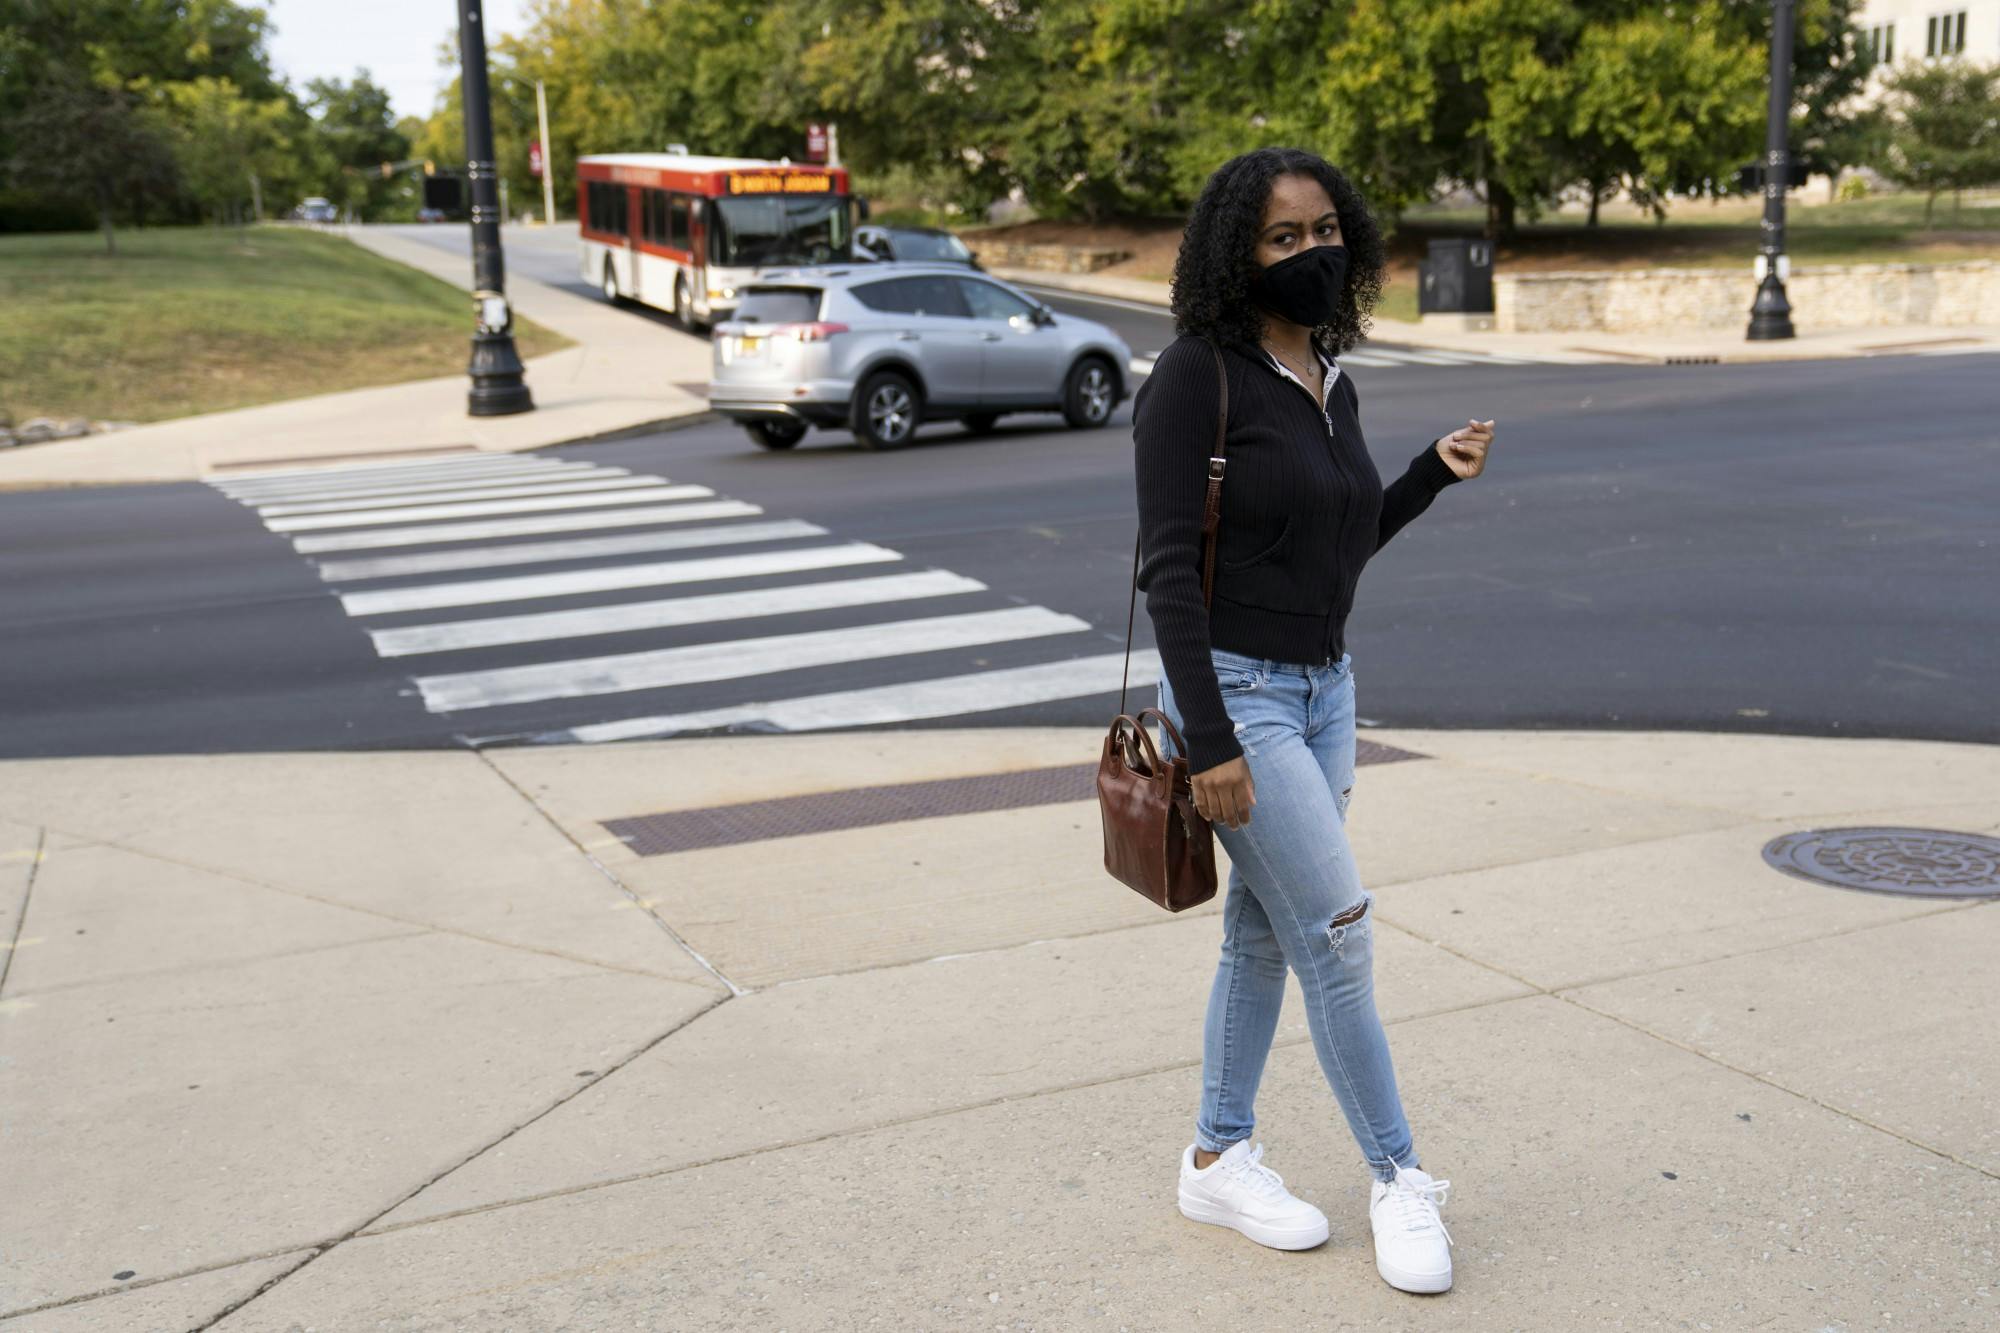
682, 233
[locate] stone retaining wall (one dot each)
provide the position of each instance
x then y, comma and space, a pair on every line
1668, 299
1048, 258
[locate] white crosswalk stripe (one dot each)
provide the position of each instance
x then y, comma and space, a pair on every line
415, 513
946, 696
433, 533
535, 587
627, 617
236, 475
441, 534
550, 553
511, 477
734, 659
387, 477
352, 505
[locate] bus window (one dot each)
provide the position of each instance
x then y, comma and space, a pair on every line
752, 231
677, 222
605, 205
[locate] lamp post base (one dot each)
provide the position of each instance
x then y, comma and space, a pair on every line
498, 389
1770, 313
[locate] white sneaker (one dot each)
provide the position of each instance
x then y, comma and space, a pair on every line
1237, 1190
1412, 1248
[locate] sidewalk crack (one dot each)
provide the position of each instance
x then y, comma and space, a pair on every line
617, 883
417, 923
328, 1246
27, 892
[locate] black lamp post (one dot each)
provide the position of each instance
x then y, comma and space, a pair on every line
1771, 313
497, 387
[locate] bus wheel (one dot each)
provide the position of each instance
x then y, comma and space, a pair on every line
684, 310
776, 434
611, 283
886, 411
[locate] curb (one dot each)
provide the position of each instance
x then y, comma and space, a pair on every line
1135, 291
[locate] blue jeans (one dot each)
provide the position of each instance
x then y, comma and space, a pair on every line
1292, 885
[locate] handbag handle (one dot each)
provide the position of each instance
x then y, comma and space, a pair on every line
1127, 729
1211, 525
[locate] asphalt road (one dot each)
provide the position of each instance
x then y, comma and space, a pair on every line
1805, 548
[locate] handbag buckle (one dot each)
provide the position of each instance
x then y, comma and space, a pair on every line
1216, 467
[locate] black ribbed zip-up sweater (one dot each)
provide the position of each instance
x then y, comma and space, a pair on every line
1303, 509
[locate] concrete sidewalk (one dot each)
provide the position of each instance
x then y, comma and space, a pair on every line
1720, 346
413, 1040
626, 372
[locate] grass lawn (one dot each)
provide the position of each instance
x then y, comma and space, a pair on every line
1697, 234
201, 319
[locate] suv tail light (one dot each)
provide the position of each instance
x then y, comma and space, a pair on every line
817, 332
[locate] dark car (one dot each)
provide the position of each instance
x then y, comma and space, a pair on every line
911, 245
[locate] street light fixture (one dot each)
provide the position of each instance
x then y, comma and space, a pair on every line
1771, 313
498, 389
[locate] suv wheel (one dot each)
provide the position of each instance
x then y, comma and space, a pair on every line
982, 423
610, 283
776, 434
1090, 393
886, 410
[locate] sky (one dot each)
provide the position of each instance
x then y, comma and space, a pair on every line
395, 40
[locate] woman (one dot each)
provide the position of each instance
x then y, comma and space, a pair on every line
1279, 269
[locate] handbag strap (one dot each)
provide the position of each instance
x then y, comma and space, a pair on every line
1211, 520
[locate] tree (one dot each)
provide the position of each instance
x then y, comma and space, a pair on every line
1944, 128
80, 140
1662, 104
225, 144
354, 128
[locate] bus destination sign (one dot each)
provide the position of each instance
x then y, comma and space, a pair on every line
779, 182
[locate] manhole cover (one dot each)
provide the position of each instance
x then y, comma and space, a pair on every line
1925, 862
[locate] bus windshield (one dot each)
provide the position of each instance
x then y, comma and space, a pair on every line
758, 231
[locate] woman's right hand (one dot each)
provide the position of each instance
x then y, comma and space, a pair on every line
1224, 794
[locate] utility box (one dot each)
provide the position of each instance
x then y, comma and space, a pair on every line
446, 193
1456, 278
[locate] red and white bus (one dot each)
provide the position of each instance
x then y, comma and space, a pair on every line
682, 233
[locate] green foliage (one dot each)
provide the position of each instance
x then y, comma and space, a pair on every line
355, 134
169, 110
1944, 127
1090, 107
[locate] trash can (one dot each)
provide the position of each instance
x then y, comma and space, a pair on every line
1456, 277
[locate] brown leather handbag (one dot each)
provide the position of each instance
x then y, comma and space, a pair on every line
1154, 839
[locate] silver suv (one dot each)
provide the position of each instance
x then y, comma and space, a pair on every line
881, 348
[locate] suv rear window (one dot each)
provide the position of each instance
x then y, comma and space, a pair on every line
779, 305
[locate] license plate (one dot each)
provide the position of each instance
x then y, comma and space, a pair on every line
748, 346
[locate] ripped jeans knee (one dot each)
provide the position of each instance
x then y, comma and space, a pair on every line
1344, 923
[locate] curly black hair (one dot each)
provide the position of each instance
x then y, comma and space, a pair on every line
1218, 256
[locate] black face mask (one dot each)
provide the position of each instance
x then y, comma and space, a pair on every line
1306, 288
